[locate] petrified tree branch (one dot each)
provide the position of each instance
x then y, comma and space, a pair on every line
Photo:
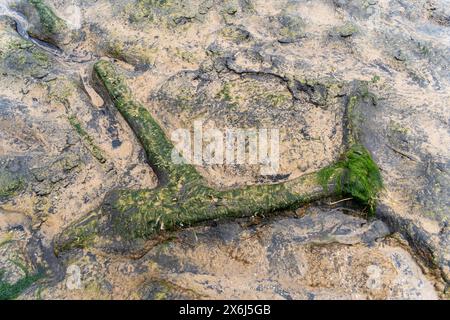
153, 139
183, 197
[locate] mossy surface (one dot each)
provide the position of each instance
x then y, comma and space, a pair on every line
235, 34
146, 10
168, 13
12, 291
9, 184
292, 29
61, 90
356, 174
50, 22
25, 57
131, 52
347, 30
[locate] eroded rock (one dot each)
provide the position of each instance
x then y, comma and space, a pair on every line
325, 254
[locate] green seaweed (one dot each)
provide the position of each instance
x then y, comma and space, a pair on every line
51, 23
225, 92
376, 78
81, 236
356, 174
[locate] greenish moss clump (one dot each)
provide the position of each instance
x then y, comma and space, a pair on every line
277, 99
225, 92
292, 29
18, 44
93, 148
40, 57
12, 291
235, 34
356, 175
148, 10
9, 184
50, 22
347, 30
25, 57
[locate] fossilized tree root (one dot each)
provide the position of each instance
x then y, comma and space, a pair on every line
45, 24
182, 198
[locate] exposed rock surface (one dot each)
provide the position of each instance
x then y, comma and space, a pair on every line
325, 254
243, 64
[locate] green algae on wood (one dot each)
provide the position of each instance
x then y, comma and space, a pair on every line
183, 198
25, 58
50, 22
13, 291
45, 24
356, 174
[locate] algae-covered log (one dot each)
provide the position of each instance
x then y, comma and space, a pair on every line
151, 136
44, 22
182, 198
